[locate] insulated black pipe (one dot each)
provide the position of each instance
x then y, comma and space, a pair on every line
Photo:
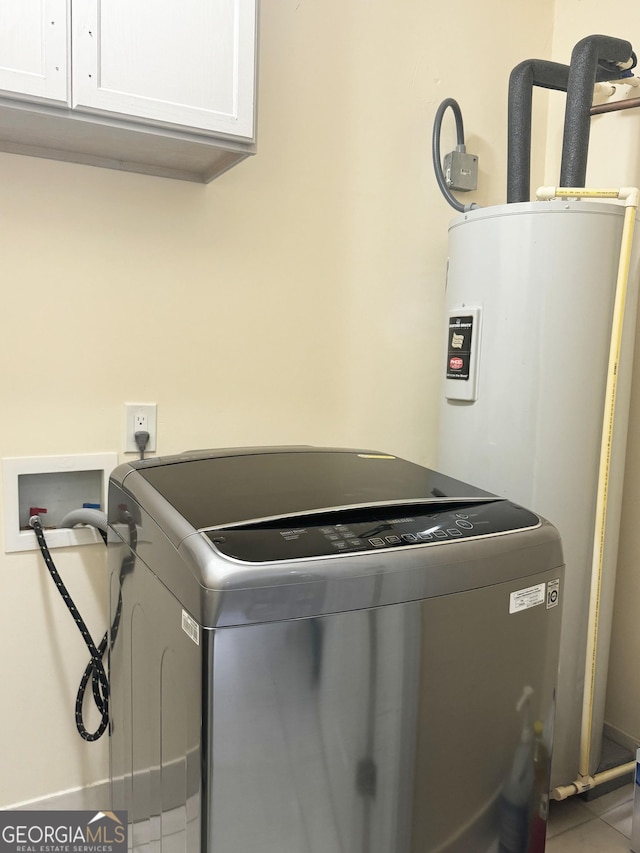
526, 75
583, 74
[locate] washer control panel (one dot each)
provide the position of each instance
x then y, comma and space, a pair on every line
368, 529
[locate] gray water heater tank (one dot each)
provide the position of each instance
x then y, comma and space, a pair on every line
530, 296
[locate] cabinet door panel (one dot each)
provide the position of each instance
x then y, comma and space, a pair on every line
189, 63
33, 49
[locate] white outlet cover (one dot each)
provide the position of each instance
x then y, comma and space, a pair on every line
130, 412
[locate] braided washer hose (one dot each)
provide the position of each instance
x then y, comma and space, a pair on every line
95, 668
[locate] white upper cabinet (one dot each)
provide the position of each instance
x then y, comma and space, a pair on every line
155, 86
34, 49
177, 63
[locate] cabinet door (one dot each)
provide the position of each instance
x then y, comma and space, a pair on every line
34, 49
190, 63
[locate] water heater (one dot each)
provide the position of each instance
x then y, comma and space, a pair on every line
530, 297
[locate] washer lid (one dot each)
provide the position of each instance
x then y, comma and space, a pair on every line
233, 486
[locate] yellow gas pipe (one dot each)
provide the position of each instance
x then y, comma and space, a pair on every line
630, 196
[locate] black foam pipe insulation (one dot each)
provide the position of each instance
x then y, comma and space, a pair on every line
583, 74
587, 67
526, 75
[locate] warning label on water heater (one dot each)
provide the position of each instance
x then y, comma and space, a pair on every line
523, 599
459, 347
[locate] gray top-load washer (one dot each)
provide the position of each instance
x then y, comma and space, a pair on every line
328, 651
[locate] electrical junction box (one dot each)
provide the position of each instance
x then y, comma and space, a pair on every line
52, 486
461, 171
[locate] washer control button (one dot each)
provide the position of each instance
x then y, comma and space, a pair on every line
425, 536
377, 542
465, 525
453, 531
392, 540
440, 534
409, 537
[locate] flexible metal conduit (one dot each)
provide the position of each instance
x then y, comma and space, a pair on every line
454, 106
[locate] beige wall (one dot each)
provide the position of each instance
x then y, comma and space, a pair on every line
298, 299
613, 161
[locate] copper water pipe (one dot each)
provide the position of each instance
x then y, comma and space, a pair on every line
615, 106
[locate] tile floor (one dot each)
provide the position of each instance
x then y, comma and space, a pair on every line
600, 826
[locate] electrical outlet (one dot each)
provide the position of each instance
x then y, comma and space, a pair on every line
139, 416
140, 421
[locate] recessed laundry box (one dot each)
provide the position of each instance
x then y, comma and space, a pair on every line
325, 650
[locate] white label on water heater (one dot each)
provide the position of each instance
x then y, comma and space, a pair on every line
191, 627
523, 599
463, 348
